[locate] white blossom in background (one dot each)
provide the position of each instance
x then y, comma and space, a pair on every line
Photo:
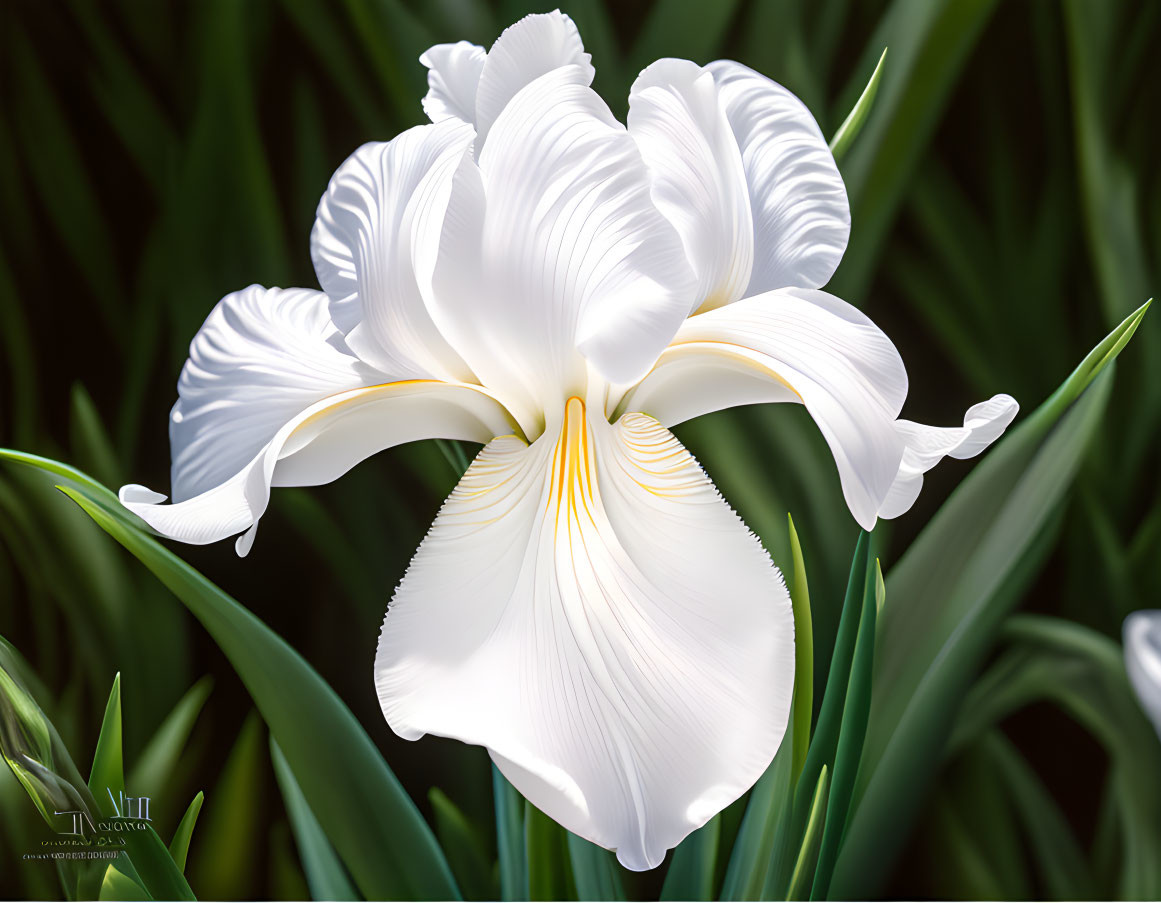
530, 274
1142, 637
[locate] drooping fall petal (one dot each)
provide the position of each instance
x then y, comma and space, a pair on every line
589, 609
792, 345
925, 446
272, 396
262, 356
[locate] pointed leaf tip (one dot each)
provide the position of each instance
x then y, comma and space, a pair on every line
857, 118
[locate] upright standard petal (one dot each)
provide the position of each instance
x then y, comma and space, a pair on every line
532, 47
262, 356
1142, 636
364, 245
320, 444
801, 215
552, 249
678, 122
590, 610
792, 345
926, 446
453, 74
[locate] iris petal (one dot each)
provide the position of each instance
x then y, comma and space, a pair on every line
590, 610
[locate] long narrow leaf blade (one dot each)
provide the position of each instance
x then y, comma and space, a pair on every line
595, 871
851, 734
804, 866
107, 779
509, 807
803, 656
989, 532
324, 872
373, 824
179, 846
691, 871
857, 117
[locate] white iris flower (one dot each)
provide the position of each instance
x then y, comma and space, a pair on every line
528, 273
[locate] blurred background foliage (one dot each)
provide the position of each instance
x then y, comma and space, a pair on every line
1006, 205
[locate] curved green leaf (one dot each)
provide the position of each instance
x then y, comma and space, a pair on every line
691, 871
595, 871
324, 872
949, 595
509, 807
463, 847
803, 655
804, 866
155, 765
850, 740
179, 846
373, 824
107, 779
857, 117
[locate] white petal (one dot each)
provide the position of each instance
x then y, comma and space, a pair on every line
925, 446
320, 444
453, 73
698, 182
363, 246
551, 245
986, 422
794, 344
1142, 636
801, 215
535, 45
262, 356
590, 610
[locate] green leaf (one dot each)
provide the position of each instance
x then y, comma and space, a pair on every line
787, 838
116, 885
89, 440
595, 870
804, 866
372, 823
107, 779
51, 152
1083, 672
99, 493
325, 874
231, 839
826, 732
316, 23
159, 873
930, 41
179, 846
155, 765
463, 847
803, 656
681, 28
691, 871
41, 762
509, 807
770, 802
857, 117
546, 852
949, 594
1062, 863
851, 733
